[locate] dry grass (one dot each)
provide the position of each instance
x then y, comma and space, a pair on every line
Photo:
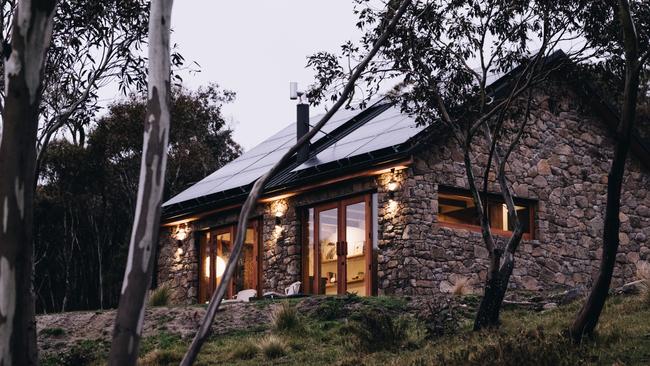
461, 286
273, 347
285, 318
245, 350
643, 273
160, 296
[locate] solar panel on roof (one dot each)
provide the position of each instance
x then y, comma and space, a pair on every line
253, 163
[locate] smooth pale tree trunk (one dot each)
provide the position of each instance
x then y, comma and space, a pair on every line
258, 188
31, 34
588, 316
144, 235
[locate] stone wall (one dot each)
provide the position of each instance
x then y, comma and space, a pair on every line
561, 163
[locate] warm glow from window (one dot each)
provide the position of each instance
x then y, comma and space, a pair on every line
206, 267
221, 267
456, 206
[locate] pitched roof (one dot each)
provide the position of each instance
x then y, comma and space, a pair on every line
352, 138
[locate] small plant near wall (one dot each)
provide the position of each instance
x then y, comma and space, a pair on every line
160, 296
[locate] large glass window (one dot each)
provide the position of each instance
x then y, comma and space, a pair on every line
456, 208
215, 250
339, 247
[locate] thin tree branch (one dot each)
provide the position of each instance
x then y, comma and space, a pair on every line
258, 187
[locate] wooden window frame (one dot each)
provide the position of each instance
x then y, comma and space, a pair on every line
529, 204
314, 286
216, 250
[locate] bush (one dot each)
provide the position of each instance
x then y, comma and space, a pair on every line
376, 329
273, 347
285, 318
244, 351
160, 296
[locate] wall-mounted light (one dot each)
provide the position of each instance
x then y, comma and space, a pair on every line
392, 184
180, 234
278, 221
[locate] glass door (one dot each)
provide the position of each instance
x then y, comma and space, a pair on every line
215, 249
355, 247
328, 250
342, 248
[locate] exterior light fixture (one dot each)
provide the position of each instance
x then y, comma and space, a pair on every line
392, 184
181, 232
278, 221
180, 235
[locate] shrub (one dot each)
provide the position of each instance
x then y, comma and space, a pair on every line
159, 296
285, 318
245, 350
273, 347
376, 329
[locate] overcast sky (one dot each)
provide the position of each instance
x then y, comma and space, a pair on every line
256, 48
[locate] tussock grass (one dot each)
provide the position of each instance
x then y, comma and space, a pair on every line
285, 318
245, 350
643, 273
160, 296
461, 286
361, 337
273, 347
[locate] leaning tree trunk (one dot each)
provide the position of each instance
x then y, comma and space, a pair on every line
587, 318
144, 235
31, 34
258, 188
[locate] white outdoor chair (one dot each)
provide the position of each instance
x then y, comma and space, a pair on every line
293, 289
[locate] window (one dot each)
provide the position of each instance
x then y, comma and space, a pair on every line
215, 248
339, 247
456, 208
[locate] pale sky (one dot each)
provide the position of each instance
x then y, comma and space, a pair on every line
256, 48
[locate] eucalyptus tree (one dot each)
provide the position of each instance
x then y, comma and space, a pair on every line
442, 56
25, 56
95, 44
622, 29
144, 235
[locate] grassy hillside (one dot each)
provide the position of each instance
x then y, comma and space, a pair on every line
380, 331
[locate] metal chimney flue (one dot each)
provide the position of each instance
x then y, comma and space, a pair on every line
302, 119
302, 113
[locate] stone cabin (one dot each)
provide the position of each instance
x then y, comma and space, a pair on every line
378, 205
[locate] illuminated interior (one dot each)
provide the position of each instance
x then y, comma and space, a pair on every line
457, 207
216, 246
341, 255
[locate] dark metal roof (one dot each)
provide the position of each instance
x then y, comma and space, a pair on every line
351, 140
